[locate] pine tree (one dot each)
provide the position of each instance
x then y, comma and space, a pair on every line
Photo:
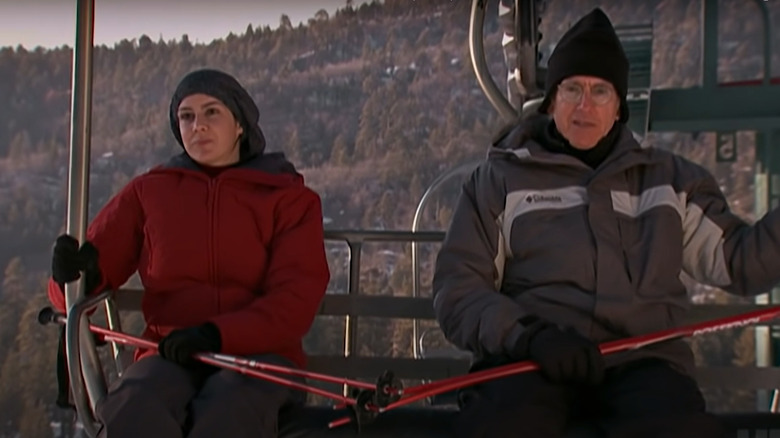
340, 153
12, 297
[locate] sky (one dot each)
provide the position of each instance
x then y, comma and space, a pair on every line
51, 23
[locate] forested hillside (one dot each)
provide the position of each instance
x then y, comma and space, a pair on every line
371, 104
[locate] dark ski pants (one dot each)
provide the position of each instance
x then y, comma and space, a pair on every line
644, 399
157, 398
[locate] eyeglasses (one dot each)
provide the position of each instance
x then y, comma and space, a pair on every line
600, 94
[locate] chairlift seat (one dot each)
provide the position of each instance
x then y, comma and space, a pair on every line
436, 419
433, 422
427, 422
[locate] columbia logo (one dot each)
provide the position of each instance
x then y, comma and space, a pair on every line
542, 198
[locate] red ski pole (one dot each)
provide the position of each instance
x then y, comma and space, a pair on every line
240, 365
415, 393
421, 391
226, 358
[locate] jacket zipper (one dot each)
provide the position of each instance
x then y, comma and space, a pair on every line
213, 194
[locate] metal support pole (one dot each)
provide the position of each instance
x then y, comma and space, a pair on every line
351, 321
767, 21
710, 43
115, 324
767, 183
762, 176
78, 200
477, 51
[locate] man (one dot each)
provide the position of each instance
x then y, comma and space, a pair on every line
569, 235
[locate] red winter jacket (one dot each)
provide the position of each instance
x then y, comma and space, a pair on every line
243, 249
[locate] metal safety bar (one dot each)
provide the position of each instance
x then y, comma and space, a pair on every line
354, 240
438, 182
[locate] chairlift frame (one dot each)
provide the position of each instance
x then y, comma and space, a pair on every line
85, 371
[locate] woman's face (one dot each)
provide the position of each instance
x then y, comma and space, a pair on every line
209, 131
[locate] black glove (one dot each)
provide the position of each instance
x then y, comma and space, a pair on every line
565, 356
68, 260
181, 345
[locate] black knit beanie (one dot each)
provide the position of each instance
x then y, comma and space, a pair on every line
590, 48
227, 90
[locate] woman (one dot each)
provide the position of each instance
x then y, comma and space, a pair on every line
228, 243
570, 235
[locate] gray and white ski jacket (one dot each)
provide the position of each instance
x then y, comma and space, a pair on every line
536, 233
